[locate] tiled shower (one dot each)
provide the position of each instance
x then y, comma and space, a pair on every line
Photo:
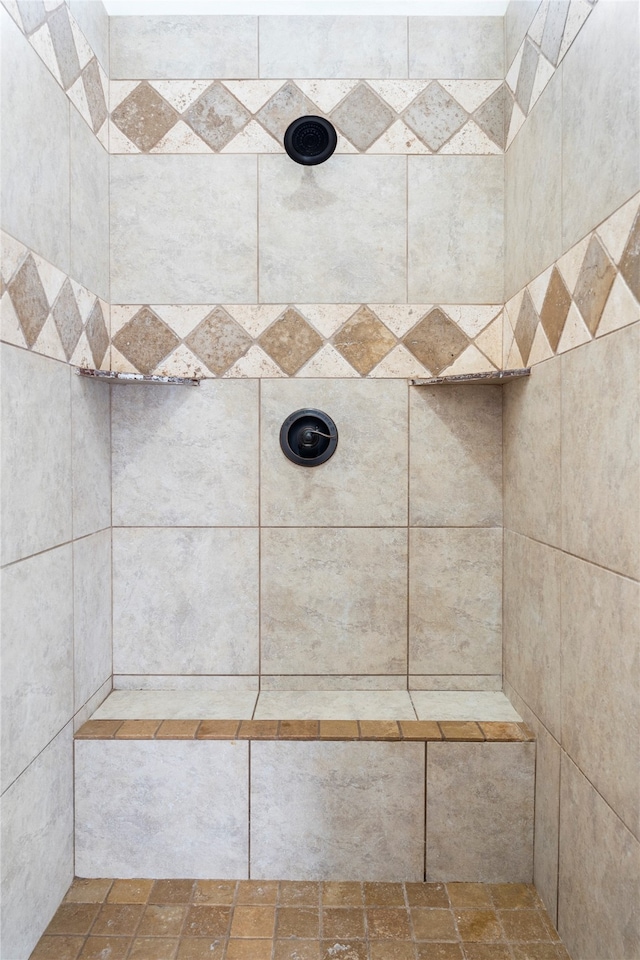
480, 213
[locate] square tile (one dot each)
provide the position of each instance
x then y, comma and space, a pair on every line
331, 798
363, 571
204, 622
456, 47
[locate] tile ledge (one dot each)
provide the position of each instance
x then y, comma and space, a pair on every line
110, 376
491, 376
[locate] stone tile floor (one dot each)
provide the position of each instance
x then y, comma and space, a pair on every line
295, 920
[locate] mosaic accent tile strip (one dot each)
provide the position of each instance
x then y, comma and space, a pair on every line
251, 116
552, 31
299, 920
591, 290
412, 730
54, 34
44, 310
306, 340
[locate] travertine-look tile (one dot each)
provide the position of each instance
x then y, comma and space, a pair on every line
600, 455
89, 210
532, 628
144, 117
205, 621
219, 341
358, 255
435, 116
338, 705
349, 489
362, 116
456, 456
91, 456
486, 790
517, 21
94, 23
207, 430
532, 435
197, 826
29, 300
455, 597
67, 319
37, 644
92, 649
555, 308
216, 116
630, 261
36, 453
601, 614
364, 340
290, 341
37, 845
594, 283
331, 800
599, 869
491, 117
456, 47
333, 596
436, 341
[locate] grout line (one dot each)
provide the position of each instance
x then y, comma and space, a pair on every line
567, 553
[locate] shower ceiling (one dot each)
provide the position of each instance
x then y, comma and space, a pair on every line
453, 8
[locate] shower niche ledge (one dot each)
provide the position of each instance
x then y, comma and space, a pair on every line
236, 785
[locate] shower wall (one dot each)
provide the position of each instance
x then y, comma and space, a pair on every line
572, 477
56, 500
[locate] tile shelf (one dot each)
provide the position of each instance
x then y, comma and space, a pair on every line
493, 376
110, 376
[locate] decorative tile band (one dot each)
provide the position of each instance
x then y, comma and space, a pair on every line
408, 730
306, 340
591, 290
44, 310
63, 48
251, 116
552, 31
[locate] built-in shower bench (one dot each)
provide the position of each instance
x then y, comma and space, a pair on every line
339, 795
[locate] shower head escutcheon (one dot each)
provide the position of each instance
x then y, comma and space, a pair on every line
308, 437
310, 140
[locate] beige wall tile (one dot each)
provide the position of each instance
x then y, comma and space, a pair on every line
600, 452
319, 818
37, 656
334, 600
344, 704
37, 846
599, 868
532, 631
36, 453
456, 456
600, 657
601, 118
185, 47
89, 208
93, 20
183, 229
532, 434
356, 250
533, 192
465, 262
456, 47
517, 21
455, 601
93, 647
186, 456
350, 489
203, 622
196, 825
329, 46
480, 812
91, 455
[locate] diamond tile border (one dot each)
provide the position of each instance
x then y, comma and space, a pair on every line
593, 289
55, 36
552, 31
44, 310
306, 340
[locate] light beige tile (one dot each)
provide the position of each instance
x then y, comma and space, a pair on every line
471, 704
456, 456
517, 21
601, 118
196, 826
183, 229
37, 845
532, 435
333, 46
600, 453
466, 193
335, 705
455, 601
186, 456
91, 455
185, 701
532, 630
326, 815
205, 621
350, 488
456, 47
533, 192
37, 645
36, 453
93, 21
93, 651
452, 682
480, 812
35, 150
600, 656
188, 47
89, 209
158, 682
599, 869
357, 248
334, 597
348, 682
